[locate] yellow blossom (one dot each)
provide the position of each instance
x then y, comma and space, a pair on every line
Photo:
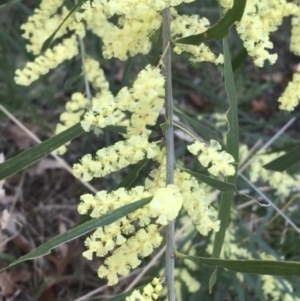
291, 95
221, 162
260, 18
150, 292
166, 204
114, 158
47, 61
190, 25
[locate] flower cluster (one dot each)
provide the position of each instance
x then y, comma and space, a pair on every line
144, 101
40, 26
132, 237
295, 41
44, 20
166, 204
198, 208
47, 61
150, 292
115, 157
75, 108
184, 25
221, 162
291, 95
259, 20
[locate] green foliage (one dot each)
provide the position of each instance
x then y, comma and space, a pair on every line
8, 4
206, 132
49, 40
233, 149
285, 161
217, 184
221, 29
263, 267
37, 152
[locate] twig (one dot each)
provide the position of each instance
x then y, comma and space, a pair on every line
288, 220
86, 82
268, 144
169, 136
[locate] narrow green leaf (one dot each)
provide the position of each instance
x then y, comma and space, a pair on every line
212, 280
232, 113
85, 219
232, 147
72, 80
37, 152
47, 43
119, 129
164, 126
221, 29
219, 185
224, 218
80, 230
262, 267
9, 3
239, 59
285, 161
126, 72
206, 132
128, 181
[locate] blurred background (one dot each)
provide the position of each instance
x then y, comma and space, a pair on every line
41, 201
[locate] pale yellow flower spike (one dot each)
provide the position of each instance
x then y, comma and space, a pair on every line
190, 25
49, 60
166, 204
221, 162
261, 17
39, 27
144, 100
75, 108
295, 33
203, 215
291, 95
115, 157
43, 23
150, 292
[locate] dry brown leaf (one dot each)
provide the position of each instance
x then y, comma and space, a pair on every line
8, 281
198, 100
21, 140
61, 262
23, 244
259, 105
6, 284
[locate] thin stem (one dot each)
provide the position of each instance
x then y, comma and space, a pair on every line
169, 136
86, 82
287, 219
